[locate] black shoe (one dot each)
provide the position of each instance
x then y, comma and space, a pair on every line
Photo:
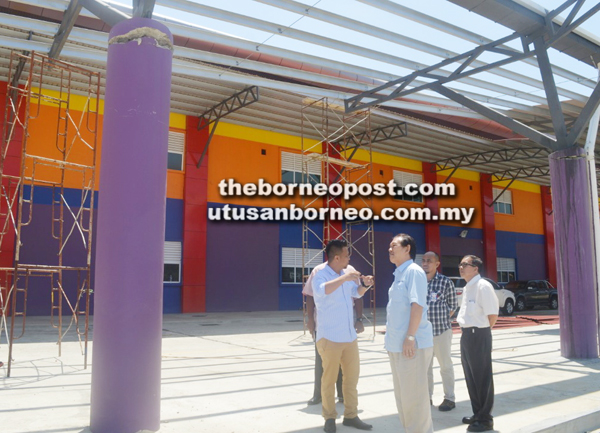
314, 400
447, 405
480, 426
341, 399
356, 422
468, 420
330, 425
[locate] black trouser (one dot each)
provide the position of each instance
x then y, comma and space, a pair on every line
476, 358
319, 375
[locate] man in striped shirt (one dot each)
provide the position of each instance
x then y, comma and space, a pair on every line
337, 342
441, 301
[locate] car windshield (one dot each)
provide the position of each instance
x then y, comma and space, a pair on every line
519, 285
458, 282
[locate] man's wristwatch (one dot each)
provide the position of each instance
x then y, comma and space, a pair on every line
410, 337
359, 319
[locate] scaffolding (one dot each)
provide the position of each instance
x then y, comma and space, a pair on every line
343, 146
47, 194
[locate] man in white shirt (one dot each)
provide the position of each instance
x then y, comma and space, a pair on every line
312, 320
478, 314
337, 342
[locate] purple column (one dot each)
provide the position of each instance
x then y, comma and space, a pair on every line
575, 256
131, 230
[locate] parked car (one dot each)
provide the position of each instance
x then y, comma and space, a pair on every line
529, 293
506, 298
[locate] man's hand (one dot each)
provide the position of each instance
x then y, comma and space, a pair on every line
409, 348
368, 280
359, 327
352, 276
311, 326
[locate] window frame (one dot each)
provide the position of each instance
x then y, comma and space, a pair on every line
503, 199
403, 178
506, 268
292, 255
172, 256
176, 146
291, 162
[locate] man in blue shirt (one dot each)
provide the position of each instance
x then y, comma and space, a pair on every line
409, 336
337, 342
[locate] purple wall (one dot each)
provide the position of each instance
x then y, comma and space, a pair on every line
40, 248
242, 266
457, 246
531, 262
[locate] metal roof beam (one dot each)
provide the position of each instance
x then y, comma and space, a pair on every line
322, 15
520, 173
68, 21
266, 26
566, 27
498, 117
143, 8
384, 133
235, 102
558, 118
105, 12
545, 35
462, 33
490, 157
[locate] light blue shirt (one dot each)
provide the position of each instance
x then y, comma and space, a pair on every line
335, 311
410, 285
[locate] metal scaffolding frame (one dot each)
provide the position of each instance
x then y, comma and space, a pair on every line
341, 137
71, 164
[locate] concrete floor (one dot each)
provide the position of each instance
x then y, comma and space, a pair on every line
253, 372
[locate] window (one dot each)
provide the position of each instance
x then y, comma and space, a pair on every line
176, 146
291, 169
402, 179
291, 263
504, 202
506, 269
172, 260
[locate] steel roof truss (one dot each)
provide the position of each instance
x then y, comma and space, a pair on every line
236, 101
496, 116
490, 157
68, 21
233, 103
520, 173
143, 8
105, 12
546, 35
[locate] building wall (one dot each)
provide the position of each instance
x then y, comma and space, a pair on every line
236, 266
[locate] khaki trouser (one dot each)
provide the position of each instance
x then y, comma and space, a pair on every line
410, 390
334, 355
442, 348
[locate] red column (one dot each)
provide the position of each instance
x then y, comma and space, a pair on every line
489, 226
549, 250
332, 229
193, 297
432, 228
12, 167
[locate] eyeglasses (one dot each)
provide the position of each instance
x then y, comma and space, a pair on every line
465, 264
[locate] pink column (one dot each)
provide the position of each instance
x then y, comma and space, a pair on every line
131, 230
